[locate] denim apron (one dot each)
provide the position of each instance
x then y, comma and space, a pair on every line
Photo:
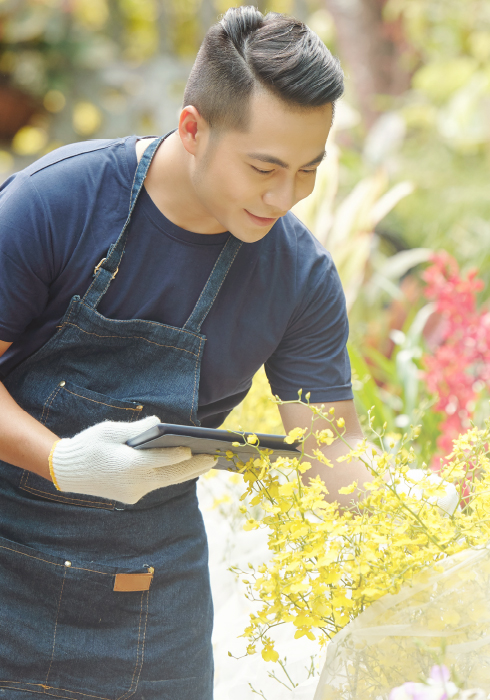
68, 629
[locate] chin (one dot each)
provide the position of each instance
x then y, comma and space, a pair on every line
249, 236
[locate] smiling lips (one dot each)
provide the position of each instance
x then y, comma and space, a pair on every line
260, 220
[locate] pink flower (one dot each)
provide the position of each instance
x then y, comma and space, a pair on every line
458, 363
418, 691
438, 687
440, 674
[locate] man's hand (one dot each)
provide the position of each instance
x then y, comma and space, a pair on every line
98, 462
341, 474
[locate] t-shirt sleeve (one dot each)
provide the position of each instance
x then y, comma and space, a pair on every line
312, 355
26, 257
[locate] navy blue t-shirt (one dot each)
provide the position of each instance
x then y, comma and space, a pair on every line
281, 304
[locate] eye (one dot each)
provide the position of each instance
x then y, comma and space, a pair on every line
262, 172
309, 171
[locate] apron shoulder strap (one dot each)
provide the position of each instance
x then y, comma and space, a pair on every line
107, 269
213, 285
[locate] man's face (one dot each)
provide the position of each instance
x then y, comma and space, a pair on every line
247, 180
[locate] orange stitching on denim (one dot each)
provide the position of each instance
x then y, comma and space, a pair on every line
130, 692
72, 306
76, 692
65, 499
206, 285
50, 404
58, 498
70, 309
125, 695
144, 638
51, 396
91, 571
47, 688
56, 626
97, 301
23, 478
15, 686
53, 563
222, 282
88, 291
127, 222
30, 556
195, 383
119, 408
98, 274
133, 337
140, 320
46, 561
227, 270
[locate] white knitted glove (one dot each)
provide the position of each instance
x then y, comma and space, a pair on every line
447, 503
97, 462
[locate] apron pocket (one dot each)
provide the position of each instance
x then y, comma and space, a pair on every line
68, 410
64, 631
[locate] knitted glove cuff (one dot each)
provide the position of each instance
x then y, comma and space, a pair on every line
50, 462
64, 455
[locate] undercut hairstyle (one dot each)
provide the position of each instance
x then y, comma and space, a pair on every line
247, 51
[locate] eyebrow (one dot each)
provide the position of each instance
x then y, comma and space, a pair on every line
277, 161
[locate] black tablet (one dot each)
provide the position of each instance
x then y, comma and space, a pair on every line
213, 442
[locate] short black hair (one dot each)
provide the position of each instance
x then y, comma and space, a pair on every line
245, 51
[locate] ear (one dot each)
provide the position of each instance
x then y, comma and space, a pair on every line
192, 129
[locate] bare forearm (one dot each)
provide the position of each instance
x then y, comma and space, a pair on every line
24, 442
340, 474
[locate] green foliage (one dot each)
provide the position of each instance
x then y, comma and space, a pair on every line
448, 140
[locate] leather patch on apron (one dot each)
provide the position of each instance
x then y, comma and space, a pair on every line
126, 583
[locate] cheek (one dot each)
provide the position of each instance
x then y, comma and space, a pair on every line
304, 189
237, 190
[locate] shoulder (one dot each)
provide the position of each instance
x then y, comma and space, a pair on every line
290, 236
61, 198
69, 156
299, 254
81, 165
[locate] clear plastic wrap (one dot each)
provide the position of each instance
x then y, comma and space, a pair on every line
443, 615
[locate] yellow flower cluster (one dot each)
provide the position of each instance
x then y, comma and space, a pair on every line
328, 565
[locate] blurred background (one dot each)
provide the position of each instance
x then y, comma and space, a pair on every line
406, 178
406, 173
407, 168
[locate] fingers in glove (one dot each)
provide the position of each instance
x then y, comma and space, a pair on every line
144, 424
119, 432
192, 468
201, 463
162, 456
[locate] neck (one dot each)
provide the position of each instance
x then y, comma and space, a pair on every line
169, 184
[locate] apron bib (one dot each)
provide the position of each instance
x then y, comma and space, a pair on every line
64, 630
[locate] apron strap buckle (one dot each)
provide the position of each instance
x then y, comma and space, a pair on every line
97, 267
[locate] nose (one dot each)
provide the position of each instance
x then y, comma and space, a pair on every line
281, 197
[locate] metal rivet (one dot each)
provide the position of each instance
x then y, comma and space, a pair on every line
62, 383
139, 408
151, 570
67, 563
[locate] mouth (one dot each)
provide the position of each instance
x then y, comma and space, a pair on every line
261, 220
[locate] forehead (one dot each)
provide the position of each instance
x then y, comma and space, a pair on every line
296, 135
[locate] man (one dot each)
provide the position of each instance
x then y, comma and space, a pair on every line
149, 279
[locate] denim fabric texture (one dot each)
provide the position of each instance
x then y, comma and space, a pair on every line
64, 631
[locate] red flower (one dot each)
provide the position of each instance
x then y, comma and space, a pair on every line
458, 363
